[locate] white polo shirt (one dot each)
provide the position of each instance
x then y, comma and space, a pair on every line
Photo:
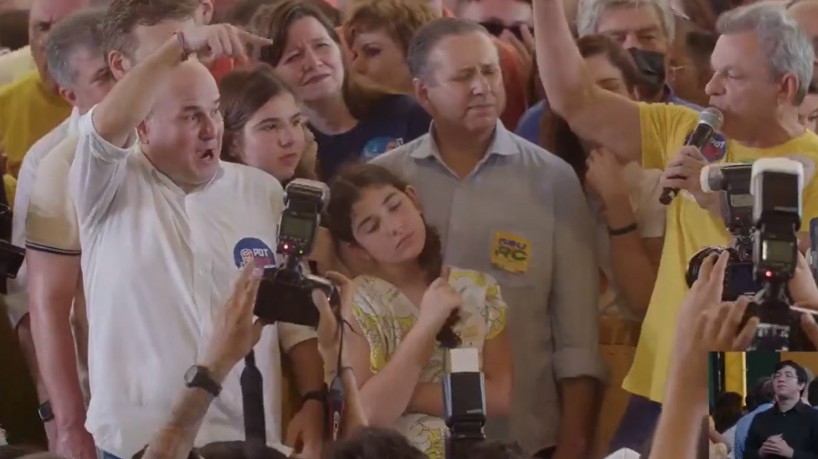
17, 299
158, 264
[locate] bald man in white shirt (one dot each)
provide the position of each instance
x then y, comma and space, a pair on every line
163, 226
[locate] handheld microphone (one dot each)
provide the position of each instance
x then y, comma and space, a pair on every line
710, 121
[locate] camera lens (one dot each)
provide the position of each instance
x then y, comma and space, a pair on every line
696, 261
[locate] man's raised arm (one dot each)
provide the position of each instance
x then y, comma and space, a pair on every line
107, 132
131, 99
592, 112
109, 127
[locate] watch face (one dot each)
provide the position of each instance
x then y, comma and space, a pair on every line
45, 412
190, 374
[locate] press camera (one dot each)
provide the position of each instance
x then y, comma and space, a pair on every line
285, 293
733, 181
464, 401
761, 207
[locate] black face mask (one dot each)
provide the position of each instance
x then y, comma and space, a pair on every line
651, 66
497, 28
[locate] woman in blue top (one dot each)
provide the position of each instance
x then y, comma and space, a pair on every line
349, 123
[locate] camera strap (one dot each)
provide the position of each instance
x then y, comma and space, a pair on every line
252, 398
336, 395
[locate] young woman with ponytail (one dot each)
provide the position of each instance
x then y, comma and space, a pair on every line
409, 308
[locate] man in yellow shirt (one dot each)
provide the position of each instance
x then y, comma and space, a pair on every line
15, 64
31, 106
762, 68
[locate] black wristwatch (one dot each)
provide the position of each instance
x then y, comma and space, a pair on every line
199, 376
317, 395
45, 411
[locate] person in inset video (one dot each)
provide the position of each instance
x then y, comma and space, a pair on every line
790, 428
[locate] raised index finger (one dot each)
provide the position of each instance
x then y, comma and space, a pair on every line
716, 280
252, 39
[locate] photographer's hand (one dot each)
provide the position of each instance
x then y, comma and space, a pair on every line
685, 402
718, 325
235, 332
329, 331
801, 287
235, 329
810, 328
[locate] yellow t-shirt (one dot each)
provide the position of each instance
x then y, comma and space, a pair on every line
15, 64
689, 228
28, 111
10, 187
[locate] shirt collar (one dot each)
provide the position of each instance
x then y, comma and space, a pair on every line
502, 144
74, 121
764, 407
799, 408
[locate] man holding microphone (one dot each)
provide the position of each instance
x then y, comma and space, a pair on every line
763, 66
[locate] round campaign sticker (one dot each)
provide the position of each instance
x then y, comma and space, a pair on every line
253, 250
380, 145
716, 148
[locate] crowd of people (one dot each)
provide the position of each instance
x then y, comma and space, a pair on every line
494, 169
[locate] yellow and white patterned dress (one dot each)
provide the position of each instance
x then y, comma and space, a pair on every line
386, 315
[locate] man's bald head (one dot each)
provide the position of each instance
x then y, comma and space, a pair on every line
188, 80
183, 134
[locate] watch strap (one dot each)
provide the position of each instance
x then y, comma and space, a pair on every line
624, 230
202, 380
317, 395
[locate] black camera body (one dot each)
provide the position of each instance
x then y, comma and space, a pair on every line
779, 325
285, 292
464, 402
764, 253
